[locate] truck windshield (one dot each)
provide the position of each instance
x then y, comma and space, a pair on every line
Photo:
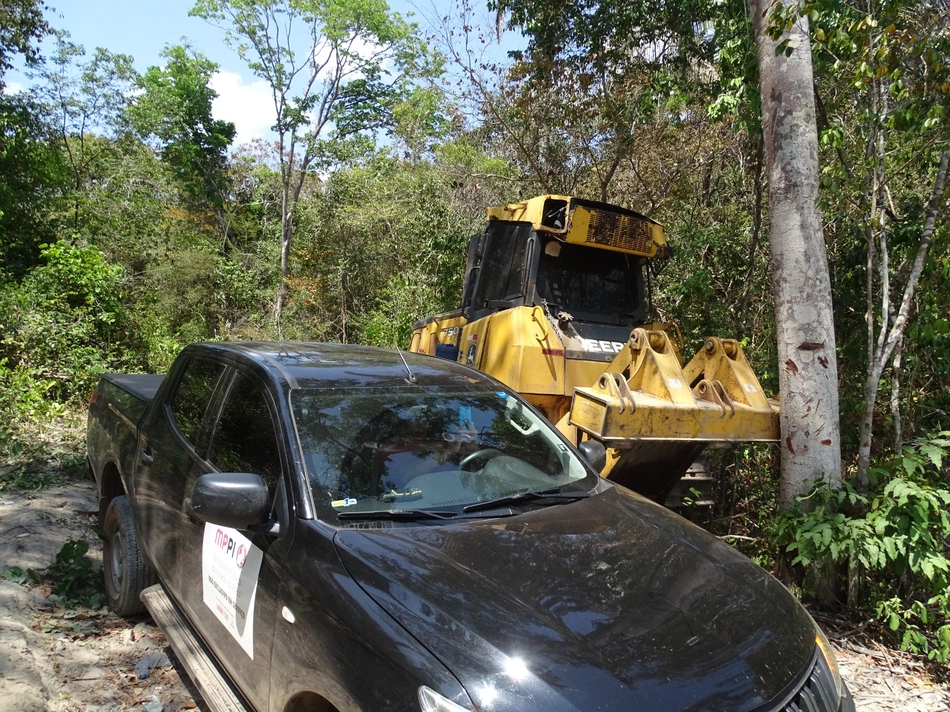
417, 449
590, 280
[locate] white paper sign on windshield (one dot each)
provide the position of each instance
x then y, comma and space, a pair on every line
230, 564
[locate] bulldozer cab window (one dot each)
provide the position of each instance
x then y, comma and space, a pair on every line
583, 280
501, 276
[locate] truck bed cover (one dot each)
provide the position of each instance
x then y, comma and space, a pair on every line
143, 386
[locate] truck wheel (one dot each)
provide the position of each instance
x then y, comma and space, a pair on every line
124, 568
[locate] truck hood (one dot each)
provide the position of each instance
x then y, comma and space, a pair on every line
607, 603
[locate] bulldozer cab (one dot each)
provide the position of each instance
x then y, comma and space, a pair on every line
549, 252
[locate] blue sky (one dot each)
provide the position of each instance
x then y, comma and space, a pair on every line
142, 28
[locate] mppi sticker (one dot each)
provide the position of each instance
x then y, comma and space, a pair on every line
230, 566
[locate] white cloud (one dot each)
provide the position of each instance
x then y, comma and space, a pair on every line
13, 88
248, 105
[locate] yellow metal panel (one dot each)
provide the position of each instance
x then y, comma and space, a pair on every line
445, 328
589, 413
531, 210
520, 348
645, 395
581, 374
614, 231
470, 342
724, 361
543, 357
578, 226
607, 229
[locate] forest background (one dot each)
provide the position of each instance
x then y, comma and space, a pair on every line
132, 224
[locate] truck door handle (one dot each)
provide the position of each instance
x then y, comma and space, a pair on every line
147, 457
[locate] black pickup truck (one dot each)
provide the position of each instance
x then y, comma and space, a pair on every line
330, 528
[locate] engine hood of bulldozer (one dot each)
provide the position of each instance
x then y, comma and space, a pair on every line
610, 602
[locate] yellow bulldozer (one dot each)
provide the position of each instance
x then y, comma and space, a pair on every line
556, 306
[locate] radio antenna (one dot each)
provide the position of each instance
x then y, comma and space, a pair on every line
412, 376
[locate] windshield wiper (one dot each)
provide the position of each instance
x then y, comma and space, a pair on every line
551, 496
398, 514
409, 515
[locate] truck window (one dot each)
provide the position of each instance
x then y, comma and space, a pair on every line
192, 396
246, 439
401, 448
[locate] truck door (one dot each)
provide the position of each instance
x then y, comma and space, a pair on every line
231, 578
177, 427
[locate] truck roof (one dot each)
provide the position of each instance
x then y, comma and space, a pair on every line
306, 364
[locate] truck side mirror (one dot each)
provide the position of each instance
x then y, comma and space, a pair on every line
231, 499
595, 453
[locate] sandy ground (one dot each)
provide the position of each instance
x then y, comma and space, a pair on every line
57, 659
78, 659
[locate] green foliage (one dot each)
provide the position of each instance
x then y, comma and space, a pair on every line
897, 538
74, 580
33, 174
359, 62
24, 578
883, 90
84, 95
62, 326
419, 120
574, 30
175, 108
21, 25
81, 99
24, 479
386, 248
357, 90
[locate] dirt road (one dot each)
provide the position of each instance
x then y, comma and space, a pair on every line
52, 658
84, 659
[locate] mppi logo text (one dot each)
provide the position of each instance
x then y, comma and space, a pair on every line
237, 552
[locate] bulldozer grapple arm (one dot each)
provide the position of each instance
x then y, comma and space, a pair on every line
646, 395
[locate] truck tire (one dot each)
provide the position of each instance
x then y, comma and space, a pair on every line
124, 568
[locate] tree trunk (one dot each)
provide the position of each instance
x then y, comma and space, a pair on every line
286, 235
893, 333
808, 371
896, 427
757, 189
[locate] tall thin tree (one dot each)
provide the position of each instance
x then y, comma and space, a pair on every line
331, 67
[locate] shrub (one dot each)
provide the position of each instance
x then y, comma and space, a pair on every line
61, 328
895, 539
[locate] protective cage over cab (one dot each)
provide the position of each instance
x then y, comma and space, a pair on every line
538, 252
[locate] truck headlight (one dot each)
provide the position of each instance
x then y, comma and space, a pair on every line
432, 701
828, 654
